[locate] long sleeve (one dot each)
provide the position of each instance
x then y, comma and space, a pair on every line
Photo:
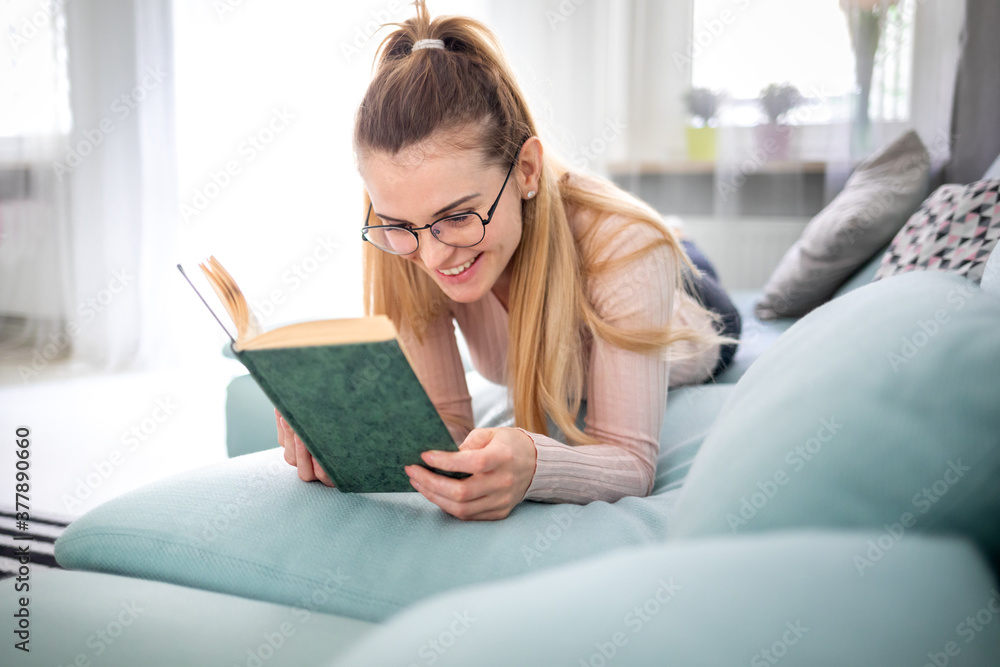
438, 365
626, 392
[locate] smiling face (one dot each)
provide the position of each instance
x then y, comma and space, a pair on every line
425, 183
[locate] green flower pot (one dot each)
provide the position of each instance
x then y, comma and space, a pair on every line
701, 143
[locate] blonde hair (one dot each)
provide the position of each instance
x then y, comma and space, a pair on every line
415, 95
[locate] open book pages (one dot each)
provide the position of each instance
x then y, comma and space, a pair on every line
250, 335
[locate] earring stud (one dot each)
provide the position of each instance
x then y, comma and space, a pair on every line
531, 194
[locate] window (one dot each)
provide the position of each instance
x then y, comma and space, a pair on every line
741, 46
265, 101
34, 98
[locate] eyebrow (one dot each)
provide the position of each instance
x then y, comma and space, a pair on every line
454, 204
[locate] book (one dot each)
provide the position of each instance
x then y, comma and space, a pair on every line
345, 386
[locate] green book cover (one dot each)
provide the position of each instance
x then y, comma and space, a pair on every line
358, 408
344, 386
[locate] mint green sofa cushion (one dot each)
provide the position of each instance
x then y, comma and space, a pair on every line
250, 425
878, 410
791, 599
755, 338
123, 622
248, 526
758, 335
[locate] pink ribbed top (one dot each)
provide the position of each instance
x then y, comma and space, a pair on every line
626, 392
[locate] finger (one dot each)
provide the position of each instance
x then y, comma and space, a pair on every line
465, 511
490, 515
477, 439
458, 490
321, 474
472, 461
286, 441
280, 425
303, 461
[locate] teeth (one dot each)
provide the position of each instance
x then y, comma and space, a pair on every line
459, 269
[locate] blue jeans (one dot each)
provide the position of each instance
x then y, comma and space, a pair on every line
708, 291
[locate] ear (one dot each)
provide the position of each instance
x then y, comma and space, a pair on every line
529, 170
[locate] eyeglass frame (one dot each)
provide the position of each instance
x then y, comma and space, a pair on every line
488, 220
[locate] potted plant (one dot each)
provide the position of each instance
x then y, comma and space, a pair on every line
703, 106
776, 100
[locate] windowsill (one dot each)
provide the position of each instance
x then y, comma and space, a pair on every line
694, 167
768, 188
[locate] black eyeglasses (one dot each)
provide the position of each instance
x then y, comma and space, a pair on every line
462, 230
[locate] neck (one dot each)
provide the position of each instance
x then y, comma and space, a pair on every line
501, 288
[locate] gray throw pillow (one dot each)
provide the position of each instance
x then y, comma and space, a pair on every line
875, 203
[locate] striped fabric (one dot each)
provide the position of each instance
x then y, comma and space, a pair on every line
43, 532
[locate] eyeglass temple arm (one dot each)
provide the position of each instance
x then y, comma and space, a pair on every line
368, 216
489, 214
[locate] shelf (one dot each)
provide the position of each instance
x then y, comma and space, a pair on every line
694, 167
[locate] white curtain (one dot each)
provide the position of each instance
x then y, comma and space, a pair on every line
34, 121
612, 78
88, 186
84, 276
124, 202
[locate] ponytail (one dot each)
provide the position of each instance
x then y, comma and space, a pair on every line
467, 88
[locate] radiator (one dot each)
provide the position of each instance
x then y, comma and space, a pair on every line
31, 264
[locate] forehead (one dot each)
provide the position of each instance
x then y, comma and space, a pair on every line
418, 182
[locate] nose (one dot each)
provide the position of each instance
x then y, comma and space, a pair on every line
431, 252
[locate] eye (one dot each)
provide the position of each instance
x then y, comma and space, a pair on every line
397, 225
459, 220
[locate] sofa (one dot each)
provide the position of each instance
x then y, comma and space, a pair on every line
831, 499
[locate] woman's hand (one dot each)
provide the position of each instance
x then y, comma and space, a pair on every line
501, 462
297, 455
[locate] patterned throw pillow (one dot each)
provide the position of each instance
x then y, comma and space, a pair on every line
954, 230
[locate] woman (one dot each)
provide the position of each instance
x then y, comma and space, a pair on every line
565, 288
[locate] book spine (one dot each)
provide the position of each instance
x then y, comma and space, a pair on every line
246, 360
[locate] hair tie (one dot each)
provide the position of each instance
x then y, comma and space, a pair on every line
428, 44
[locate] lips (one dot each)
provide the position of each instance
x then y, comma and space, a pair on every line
458, 270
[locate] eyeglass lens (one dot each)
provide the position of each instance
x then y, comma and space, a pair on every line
460, 231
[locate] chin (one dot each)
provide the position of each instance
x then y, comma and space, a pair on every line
463, 294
